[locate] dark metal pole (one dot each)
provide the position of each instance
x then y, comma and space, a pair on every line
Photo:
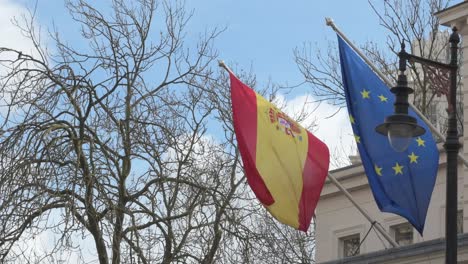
451, 147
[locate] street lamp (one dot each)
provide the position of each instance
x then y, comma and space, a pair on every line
400, 128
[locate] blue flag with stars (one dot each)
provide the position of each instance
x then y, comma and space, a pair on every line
401, 182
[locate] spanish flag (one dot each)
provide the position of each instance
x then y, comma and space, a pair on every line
285, 164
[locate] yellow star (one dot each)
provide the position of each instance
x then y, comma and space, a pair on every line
413, 158
365, 93
378, 170
358, 138
351, 118
383, 98
398, 169
420, 142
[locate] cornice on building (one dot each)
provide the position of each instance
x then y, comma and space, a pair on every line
453, 14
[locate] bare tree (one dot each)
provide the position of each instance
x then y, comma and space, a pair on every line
408, 21
104, 147
106, 142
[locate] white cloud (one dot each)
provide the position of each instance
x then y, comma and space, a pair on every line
33, 247
330, 125
11, 35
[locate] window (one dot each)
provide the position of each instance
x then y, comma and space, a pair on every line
460, 222
349, 245
403, 234
347, 241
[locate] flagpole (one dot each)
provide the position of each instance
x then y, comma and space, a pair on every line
341, 188
331, 24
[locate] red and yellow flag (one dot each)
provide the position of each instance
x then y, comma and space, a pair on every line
285, 164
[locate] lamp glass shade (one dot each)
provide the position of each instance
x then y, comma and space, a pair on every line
399, 136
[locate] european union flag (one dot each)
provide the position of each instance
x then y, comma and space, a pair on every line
402, 182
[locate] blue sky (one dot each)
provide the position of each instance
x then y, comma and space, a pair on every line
264, 33
260, 35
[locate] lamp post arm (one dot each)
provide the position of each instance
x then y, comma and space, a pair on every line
414, 58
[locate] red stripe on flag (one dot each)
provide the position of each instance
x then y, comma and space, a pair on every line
244, 109
313, 176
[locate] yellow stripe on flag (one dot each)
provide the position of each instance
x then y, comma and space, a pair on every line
282, 147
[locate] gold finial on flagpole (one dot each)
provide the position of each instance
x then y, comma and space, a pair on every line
329, 22
223, 65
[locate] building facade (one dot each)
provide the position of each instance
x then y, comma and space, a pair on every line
344, 235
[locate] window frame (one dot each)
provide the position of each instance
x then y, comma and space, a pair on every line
344, 239
345, 231
395, 227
